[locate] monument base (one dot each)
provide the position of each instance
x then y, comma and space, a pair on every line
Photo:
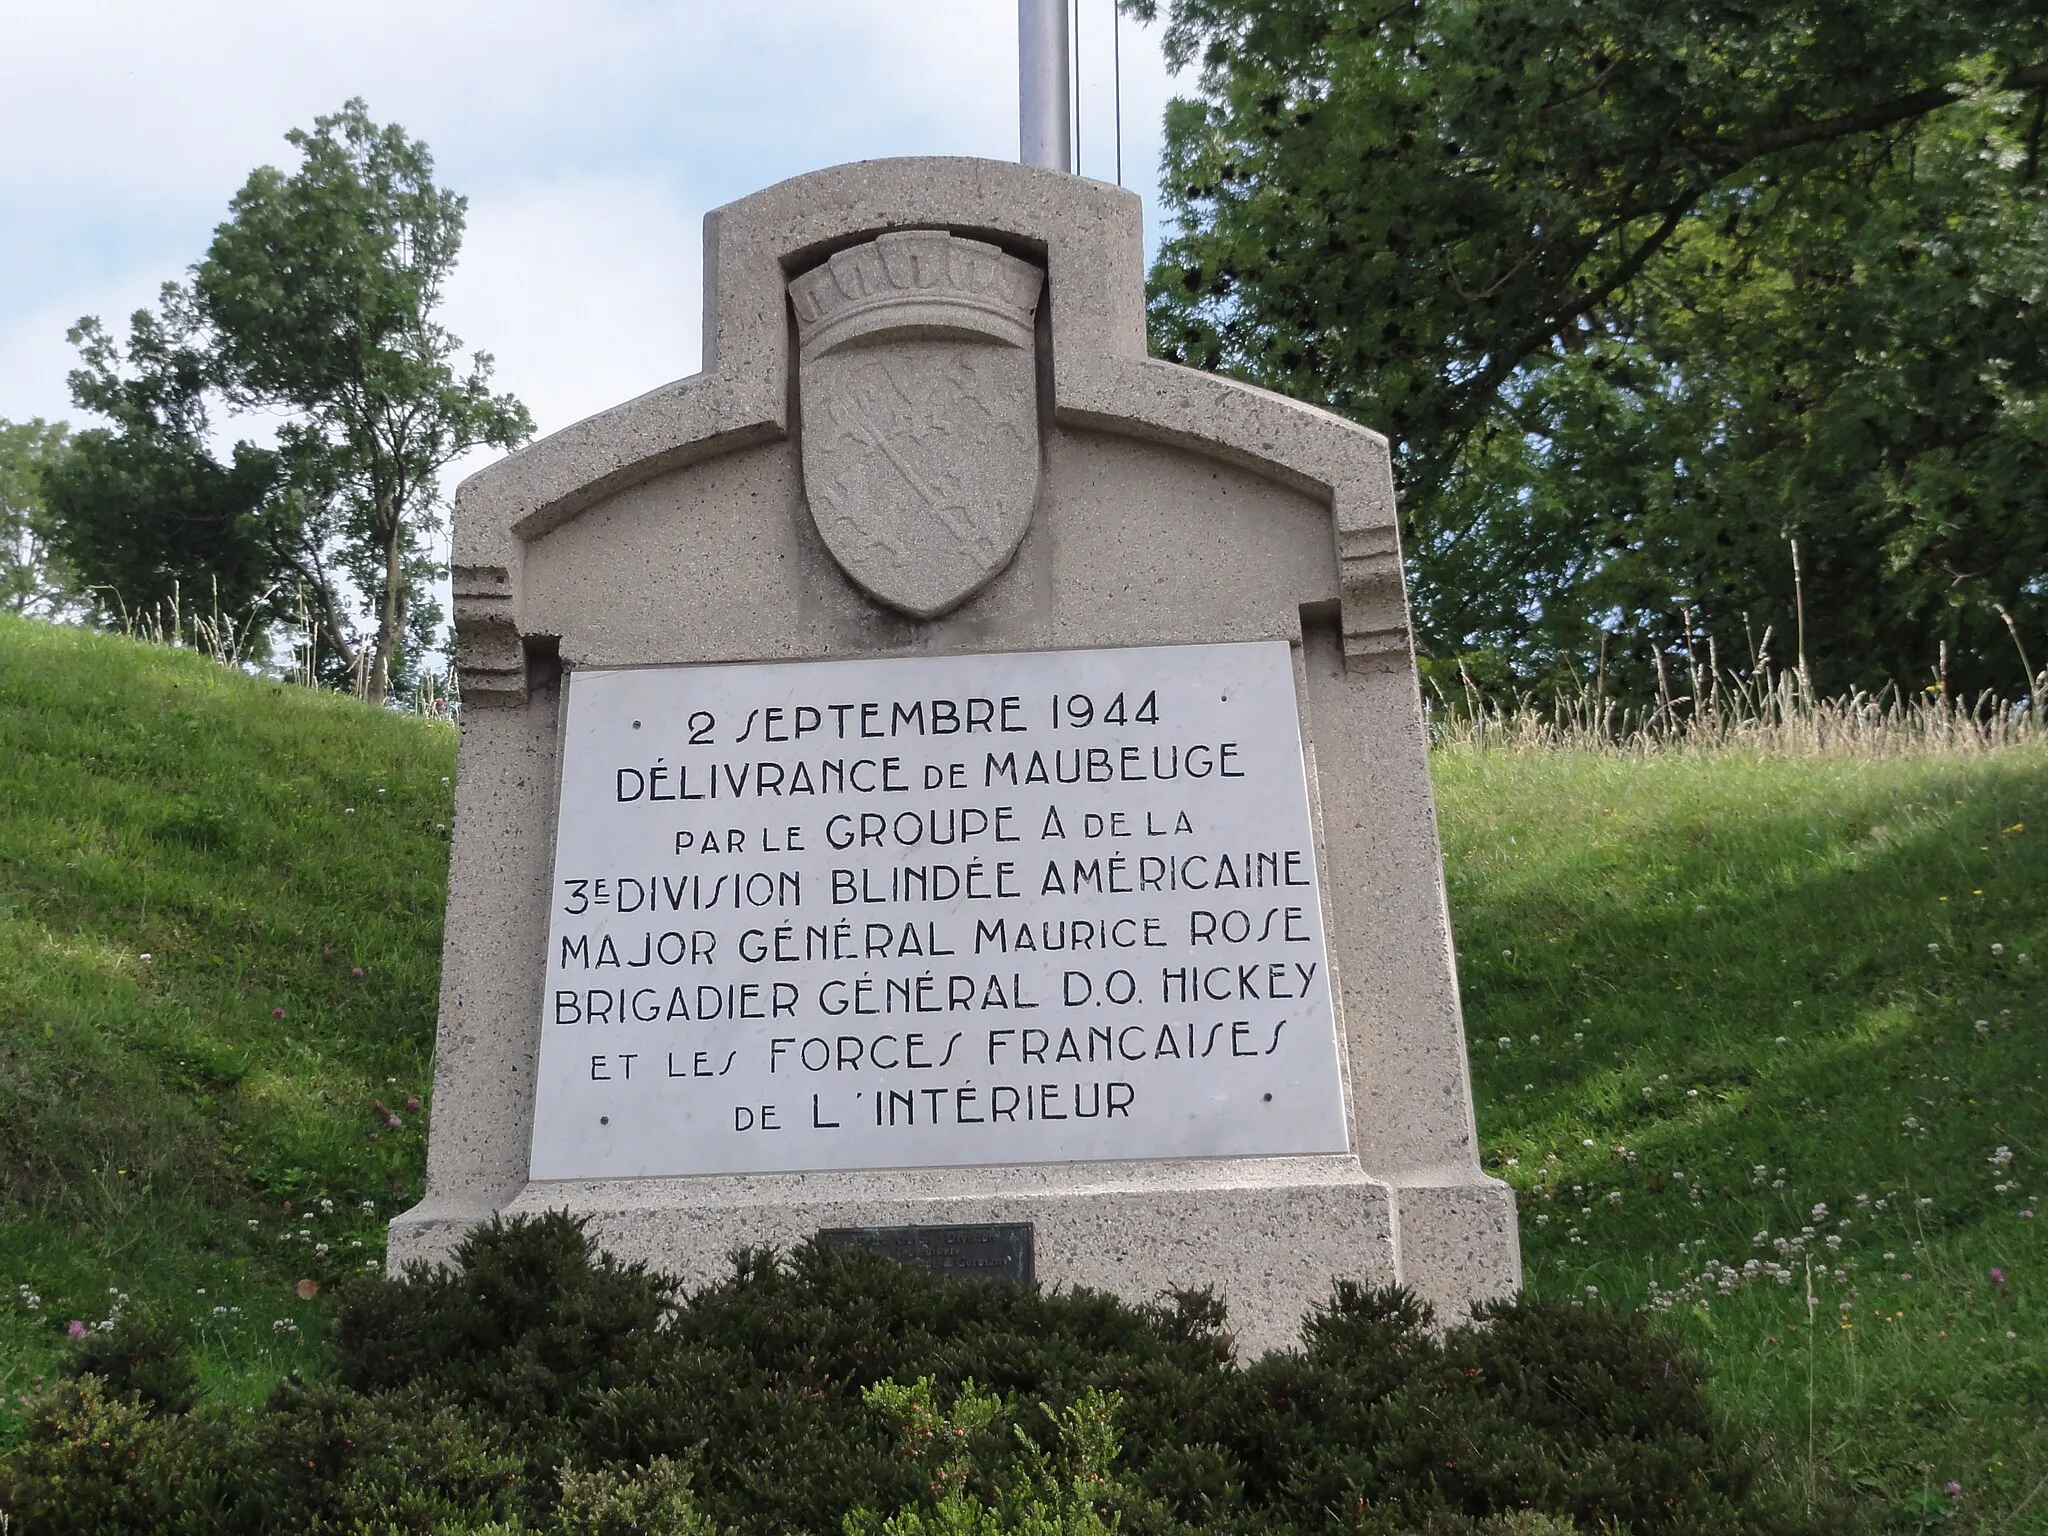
1270, 1235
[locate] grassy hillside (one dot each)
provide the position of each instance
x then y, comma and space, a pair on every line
1754, 987
219, 948
1742, 1027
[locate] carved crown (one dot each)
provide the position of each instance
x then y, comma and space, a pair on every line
920, 281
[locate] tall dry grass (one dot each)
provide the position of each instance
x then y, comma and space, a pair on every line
1772, 713
287, 651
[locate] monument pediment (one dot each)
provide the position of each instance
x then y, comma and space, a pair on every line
1086, 236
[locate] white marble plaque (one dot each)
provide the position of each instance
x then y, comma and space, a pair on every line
1044, 907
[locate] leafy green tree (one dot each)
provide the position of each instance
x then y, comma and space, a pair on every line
1837, 384
151, 522
315, 303
28, 583
320, 291
1607, 275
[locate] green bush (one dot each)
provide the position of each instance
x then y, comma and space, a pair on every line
140, 1356
90, 1462
537, 1387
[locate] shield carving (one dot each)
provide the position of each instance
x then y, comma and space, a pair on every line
919, 393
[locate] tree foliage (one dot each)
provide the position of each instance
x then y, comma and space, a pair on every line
28, 581
319, 294
145, 513
1641, 294
314, 303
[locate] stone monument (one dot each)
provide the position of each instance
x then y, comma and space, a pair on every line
941, 778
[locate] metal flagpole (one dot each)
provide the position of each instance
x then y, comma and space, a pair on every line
1116, 69
1074, 88
1044, 100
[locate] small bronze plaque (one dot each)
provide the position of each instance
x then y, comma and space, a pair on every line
1000, 1251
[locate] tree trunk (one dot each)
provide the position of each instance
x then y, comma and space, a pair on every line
331, 624
332, 621
387, 611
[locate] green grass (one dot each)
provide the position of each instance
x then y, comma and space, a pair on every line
1756, 987
219, 944
1626, 924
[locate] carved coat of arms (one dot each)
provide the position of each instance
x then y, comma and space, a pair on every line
919, 396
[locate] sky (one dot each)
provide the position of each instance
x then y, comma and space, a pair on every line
590, 139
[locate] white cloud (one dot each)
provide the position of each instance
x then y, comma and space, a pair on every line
35, 359
586, 292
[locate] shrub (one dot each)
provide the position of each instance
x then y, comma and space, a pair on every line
534, 1386
653, 1500
140, 1356
523, 1322
1037, 1493
90, 1462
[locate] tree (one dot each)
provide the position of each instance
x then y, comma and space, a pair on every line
315, 302
319, 293
144, 514
1836, 384
28, 584
1598, 268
